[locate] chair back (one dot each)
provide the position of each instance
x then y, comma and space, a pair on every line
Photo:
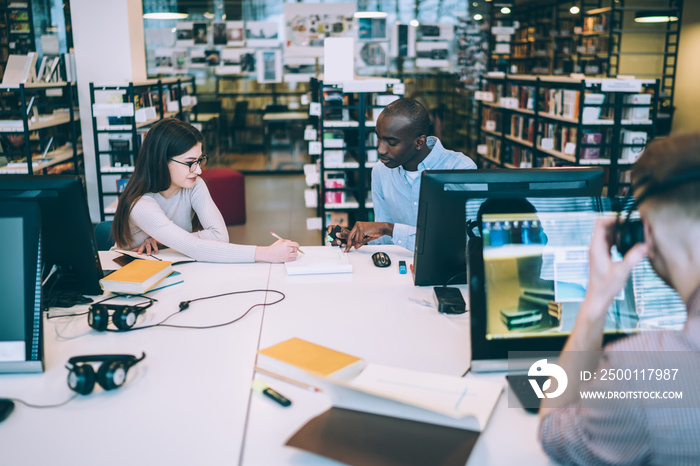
103, 235
240, 114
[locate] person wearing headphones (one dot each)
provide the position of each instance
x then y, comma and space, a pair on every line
636, 430
165, 192
405, 150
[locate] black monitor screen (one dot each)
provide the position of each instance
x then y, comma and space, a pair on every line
440, 253
68, 240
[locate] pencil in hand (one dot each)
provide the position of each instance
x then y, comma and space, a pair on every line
282, 239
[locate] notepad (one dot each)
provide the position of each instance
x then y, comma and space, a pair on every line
136, 276
319, 260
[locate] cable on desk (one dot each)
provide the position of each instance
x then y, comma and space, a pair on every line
185, 304
31, 405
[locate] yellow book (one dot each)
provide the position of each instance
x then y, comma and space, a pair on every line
137, 276
310, 357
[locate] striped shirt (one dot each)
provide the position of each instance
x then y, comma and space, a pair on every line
169, 221
630, 433
395, 192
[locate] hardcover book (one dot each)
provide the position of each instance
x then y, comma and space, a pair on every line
137, 276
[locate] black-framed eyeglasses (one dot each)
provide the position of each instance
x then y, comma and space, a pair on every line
201, 162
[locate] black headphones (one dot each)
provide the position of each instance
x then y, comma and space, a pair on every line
628, 231
110, 375
123, 317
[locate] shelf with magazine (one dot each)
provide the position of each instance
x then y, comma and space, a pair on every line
549, 121
346, 147
40, 122
122, 114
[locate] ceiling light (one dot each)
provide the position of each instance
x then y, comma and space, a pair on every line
370, 14
165, 15
574, 10
651, 16
478, 17
505, 10
414, 23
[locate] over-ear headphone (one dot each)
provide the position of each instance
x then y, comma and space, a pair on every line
123, 317
628, 231
110, 375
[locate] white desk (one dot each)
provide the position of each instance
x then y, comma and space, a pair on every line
189, 401
368, 314
184, 404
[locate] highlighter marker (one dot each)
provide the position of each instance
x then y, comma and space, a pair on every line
261, 387
402, 267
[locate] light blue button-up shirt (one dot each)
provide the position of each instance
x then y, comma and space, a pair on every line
395, 195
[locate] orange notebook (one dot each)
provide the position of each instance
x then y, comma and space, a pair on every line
137, 276
309, 357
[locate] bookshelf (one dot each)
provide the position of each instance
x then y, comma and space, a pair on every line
531, 121
122, 114
39, 122
348, 147
20, 27
600, 39
234, 88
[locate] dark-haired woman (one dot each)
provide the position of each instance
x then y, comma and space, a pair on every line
165, 192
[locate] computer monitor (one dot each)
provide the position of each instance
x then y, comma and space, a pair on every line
67, 236
21, 343
528, 275
440, 254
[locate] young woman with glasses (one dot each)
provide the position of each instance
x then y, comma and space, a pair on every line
165, 192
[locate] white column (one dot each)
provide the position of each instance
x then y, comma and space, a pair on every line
109, 47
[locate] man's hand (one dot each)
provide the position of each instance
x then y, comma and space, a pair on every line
607, 278
149, 246
364, 232
340, 237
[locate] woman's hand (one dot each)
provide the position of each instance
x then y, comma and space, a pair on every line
149, 246
279, 251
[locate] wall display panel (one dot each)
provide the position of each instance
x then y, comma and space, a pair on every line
308, 24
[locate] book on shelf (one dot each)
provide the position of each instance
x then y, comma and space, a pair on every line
590, 137
592, 109
352, 382
334, 180
19, 69
136, 277
633, 145
121, 184
637, 113
120, 150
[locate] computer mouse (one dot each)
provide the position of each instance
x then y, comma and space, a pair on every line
380, 259
6, 408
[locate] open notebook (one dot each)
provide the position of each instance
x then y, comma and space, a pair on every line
166, 254
319, 260
353, 383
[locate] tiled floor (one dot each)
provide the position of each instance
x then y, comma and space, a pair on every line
275, 203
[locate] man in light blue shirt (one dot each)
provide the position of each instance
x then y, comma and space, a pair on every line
405, 150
